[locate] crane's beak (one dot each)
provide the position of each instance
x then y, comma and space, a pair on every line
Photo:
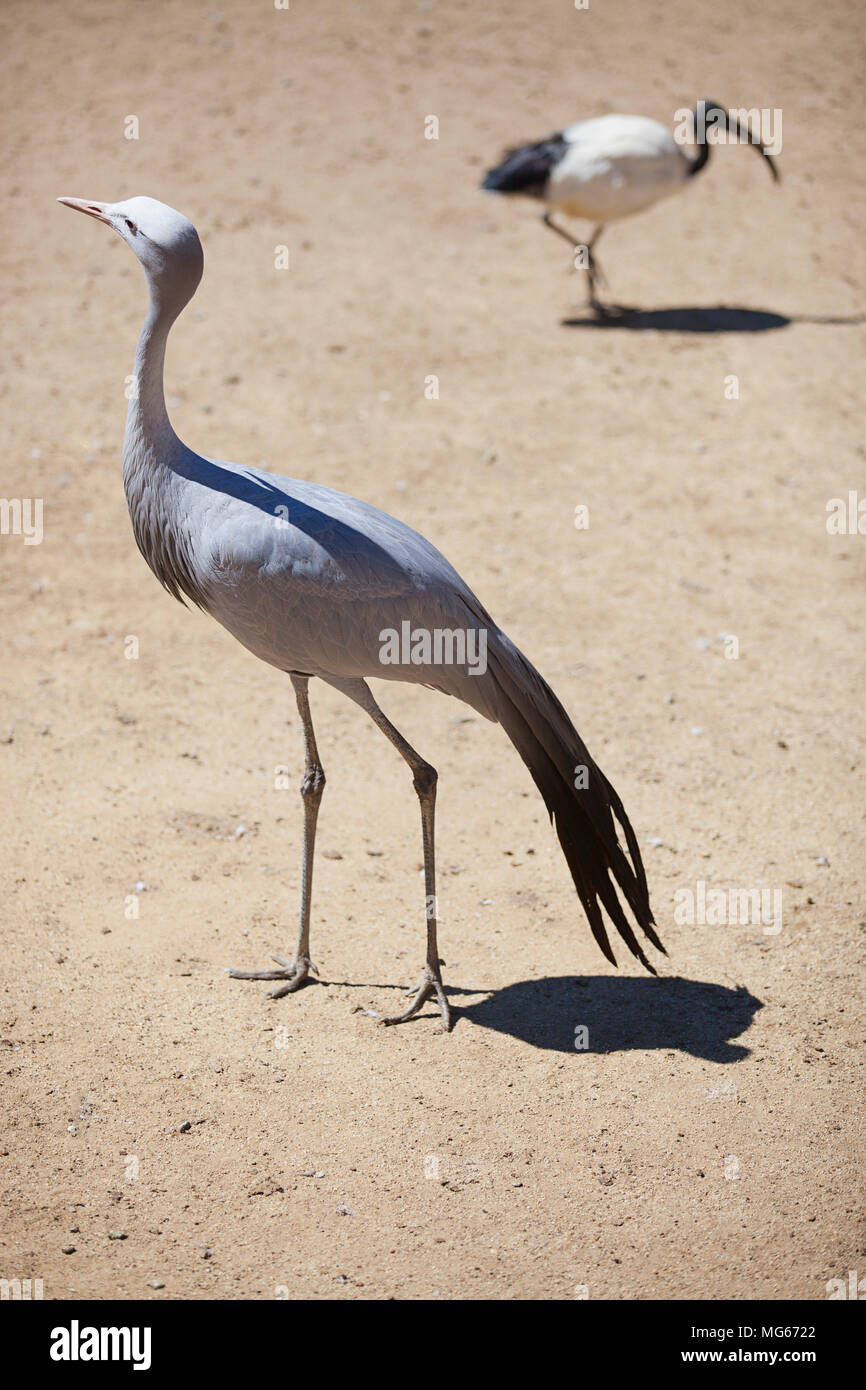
97, 210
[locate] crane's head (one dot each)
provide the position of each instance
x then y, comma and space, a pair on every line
164, 241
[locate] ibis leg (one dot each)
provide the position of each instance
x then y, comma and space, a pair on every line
596, 277
593, 269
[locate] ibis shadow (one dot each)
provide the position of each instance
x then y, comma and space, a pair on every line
716, 318
619, 1014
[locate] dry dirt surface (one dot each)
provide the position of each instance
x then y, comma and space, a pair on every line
170, 1133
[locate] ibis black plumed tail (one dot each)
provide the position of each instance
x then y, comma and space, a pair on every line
581, 802
527, 168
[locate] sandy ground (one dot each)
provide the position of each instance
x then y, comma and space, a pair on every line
707, 1143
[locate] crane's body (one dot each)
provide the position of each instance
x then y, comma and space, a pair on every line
606, 168
309, 580
304, 576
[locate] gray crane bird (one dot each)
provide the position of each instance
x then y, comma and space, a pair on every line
313, 582
610, 167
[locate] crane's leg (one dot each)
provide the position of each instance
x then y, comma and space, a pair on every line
424, 780
295, 972
592, 267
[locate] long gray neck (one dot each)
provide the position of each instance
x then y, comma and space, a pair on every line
154, 472
150, 438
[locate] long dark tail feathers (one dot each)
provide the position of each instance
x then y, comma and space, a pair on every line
585, 817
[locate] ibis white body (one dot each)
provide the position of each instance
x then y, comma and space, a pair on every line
614, 166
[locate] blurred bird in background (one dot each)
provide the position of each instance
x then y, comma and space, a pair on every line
611, 167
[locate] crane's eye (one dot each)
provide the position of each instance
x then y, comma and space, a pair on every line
130, 226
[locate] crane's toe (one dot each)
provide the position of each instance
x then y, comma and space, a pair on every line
293, 974
431, 983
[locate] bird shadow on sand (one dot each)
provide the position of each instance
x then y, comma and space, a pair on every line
620, 1014
715, 318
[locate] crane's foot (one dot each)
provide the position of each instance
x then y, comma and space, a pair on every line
431, 983
293, 973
